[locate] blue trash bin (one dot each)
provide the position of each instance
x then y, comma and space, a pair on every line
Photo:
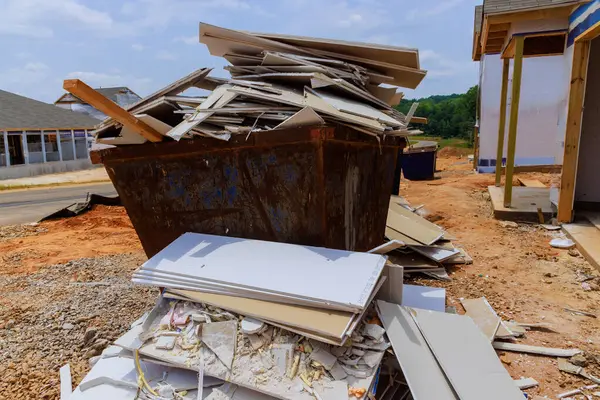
419, 161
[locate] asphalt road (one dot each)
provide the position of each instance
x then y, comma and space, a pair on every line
30, 205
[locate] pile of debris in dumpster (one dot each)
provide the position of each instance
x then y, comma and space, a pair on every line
277, 82
249, 319
418, 245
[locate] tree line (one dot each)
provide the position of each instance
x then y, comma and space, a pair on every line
448, 115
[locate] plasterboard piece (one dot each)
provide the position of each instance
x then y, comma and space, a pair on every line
392, 289
393, 234
221, 257
544, 351
221, 338
466, 357
66, 388
435, 253
305, 117
358, 108
129, 136
526, 383
326, 322
424, 297
387, 247
414, 355
420, 232
483, 315
382, 93
411, 112
397, 207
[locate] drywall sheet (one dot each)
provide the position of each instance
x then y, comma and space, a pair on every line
326, 322
357, 108
129, 136
392, 288
466, 357
416, 230
587, 188
542, 110
423, 374
424, 297
397, 207
436, 253
483, 315
333, 276
305, 117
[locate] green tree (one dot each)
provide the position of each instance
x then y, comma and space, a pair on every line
448, 115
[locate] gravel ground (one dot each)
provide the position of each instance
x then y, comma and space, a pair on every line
64, 313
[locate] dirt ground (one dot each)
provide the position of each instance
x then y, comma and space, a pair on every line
67, 292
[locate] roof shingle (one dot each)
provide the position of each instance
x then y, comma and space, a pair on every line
18, 112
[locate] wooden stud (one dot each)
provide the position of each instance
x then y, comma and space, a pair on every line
502, 123
573, 132
514, 119
111, 109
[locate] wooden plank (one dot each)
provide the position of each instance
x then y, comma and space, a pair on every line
514, 118
592, 216
544, 351
573, 131
249, 264
418, 120
466, 357
113, 110
423, 374
502, 121
531, 183
587, 238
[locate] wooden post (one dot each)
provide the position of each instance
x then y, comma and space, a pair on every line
58, 145
573, 131
43, 146
6, 148
111, 109
502, 123
514, 119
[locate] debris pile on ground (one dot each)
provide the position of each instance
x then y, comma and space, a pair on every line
260, 329
277, 82
417, 245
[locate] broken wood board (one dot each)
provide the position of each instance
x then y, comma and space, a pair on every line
530, 182
466, 357
543, 351
486, 318
354, 274
400, 222
420, 367
424, 297
327, 322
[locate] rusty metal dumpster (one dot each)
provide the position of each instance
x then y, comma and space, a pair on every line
325, 187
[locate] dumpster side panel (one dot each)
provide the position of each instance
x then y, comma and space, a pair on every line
259, 193
358, 181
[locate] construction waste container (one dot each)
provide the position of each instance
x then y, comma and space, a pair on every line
327, 187
419, 161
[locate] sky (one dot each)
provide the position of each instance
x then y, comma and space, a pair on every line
147, 44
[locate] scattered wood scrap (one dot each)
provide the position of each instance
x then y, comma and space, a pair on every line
544, 351
531, 183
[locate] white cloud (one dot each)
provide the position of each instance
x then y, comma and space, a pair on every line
187, 39
350, 20
165, 55
138, 47
38, 18
25, 79
35, 67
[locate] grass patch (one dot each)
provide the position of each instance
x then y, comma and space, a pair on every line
444, 142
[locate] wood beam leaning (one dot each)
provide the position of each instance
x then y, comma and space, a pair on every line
111, 109
514, 119
573, 132
502, 122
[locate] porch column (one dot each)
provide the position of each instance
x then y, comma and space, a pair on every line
579, 68
73, 143
6, 149
60, 158
502, 123
514, 119
25, 148
43, 146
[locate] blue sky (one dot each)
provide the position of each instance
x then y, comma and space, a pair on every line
146, 44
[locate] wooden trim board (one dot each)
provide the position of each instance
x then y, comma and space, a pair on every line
530, 182
587, 238
423, 374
